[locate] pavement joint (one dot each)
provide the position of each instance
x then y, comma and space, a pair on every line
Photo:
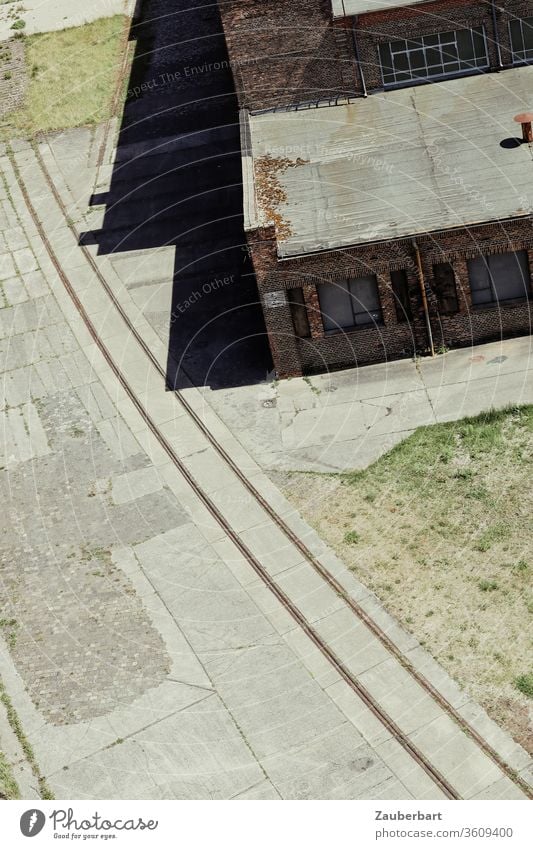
240, 721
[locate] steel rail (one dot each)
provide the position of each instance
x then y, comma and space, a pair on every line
308, 555
359, 689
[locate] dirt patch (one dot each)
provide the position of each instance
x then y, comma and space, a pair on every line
441, 528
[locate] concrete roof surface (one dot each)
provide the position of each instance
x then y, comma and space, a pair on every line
343, 8
398, 163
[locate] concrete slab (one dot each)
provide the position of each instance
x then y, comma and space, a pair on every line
220, 627
468, 769
132, 485
351, 641
195, 754
457, 400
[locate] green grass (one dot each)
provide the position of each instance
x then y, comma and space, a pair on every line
524, 683
351, 538
445, 539
487, 586
72, 75
433, 448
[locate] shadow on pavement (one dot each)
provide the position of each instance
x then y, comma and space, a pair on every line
176, 181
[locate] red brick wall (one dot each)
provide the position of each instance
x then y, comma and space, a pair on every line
291, 51
392, 340
287, 51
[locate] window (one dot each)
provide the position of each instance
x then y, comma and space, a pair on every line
299, 315
499, 277
401, 295
435, 55
350, 303
521, 34
445, 288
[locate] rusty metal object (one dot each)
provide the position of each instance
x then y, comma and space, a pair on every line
525, 119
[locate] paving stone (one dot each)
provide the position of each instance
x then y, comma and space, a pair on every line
7, 266
80, 522
35, 284
25, 260
133, 485
197, 753
15, 238
14, 290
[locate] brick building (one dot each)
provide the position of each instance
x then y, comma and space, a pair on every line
387, 200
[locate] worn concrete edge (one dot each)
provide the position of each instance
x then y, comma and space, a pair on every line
502, 743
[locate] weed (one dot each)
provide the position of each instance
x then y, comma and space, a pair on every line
524, 684
76, 432
311, 386
9, 788
351, 538
16, 727
496, 533
487, 586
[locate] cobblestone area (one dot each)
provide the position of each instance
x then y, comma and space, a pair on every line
79, 635
13, 75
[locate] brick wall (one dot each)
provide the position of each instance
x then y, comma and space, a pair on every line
291, 51
287, 51
441, 16
393, 339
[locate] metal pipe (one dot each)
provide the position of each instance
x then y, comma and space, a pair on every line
357, 59
496, 34
422, 284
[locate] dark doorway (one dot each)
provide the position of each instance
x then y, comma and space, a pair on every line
176, 181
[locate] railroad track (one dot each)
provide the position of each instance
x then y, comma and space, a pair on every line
362, 692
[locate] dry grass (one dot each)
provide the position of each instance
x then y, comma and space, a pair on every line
8, 786
441, 528
71, 78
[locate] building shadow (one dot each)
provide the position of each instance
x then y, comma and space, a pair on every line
176, 182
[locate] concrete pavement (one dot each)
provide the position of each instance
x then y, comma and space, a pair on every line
48, 15
347, 419
239, 702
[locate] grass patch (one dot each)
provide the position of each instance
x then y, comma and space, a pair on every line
72, 75
351, 538
487, 586
524, 683
9, 788
445, 538
16, 726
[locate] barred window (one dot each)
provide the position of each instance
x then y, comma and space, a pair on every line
400, 290
446, 290
350, 303
499, 277
438, 55
300, 319
521, 33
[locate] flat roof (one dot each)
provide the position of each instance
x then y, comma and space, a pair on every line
344, 8
391, 165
